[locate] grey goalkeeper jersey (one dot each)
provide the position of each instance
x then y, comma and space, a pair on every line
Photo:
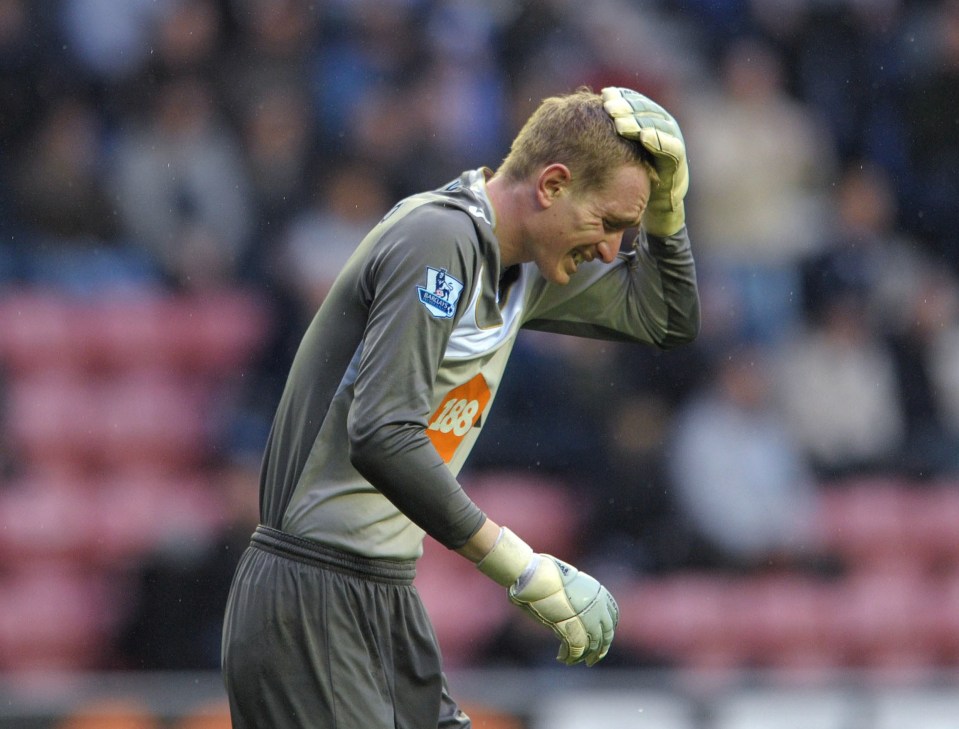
399, 368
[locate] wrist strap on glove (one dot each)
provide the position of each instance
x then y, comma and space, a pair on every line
508, 559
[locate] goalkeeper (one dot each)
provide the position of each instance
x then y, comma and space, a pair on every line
387, 393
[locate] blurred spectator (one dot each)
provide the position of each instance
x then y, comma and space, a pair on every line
931, 107
57, 179
926, 353
865, 238
22, 46
837, 380
371, 52
188, 37
906, 302
848, 63
277, 135
271, 45
634, 525
181, 188
761, 162
550, 413
740, 482
350, 198
67, 234
176, 617
110, 40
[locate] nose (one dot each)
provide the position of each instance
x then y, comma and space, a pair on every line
608, 248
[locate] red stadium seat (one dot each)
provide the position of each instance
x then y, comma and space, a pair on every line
883, 620
138, 417
868, 523
685, 619
38, 331
784, 621
451, 589
55, 617
45, 516
543, 511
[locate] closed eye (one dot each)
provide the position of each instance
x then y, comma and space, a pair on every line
613, 225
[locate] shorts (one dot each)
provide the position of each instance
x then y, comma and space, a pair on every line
320, 639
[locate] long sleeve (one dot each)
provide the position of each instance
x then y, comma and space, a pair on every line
649, 294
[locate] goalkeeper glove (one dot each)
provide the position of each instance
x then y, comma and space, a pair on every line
578, 609
641, 119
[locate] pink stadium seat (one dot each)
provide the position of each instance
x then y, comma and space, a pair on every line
126, 332
49, 416
45, 515
138, 417
37, 331
215, 331
883, 619
54, 616
151, 417
138, 509
462, 629
942, 616
784, 621
869, 523
543, 511
935, 525
684, 619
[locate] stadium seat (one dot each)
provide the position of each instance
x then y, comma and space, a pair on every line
784, 621
138, 509
38, 332
684, 619
214, 331
541, 510
55, 617
126, 333
882, 620
868, 522
451, 588
46, 515
135, 418
934, 521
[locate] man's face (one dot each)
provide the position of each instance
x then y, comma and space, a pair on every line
583, 226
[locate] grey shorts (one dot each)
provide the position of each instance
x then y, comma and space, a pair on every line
316, 638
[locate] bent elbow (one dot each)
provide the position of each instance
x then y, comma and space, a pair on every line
681, 329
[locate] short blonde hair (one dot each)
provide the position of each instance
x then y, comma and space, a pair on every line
574, 130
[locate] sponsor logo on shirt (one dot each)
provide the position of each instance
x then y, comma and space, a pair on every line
441, 293
458, 412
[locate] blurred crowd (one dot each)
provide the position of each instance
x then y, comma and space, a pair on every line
181, 147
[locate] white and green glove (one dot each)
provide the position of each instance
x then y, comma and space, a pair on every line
578, 609
641, 119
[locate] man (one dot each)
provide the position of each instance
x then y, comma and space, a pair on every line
387, 392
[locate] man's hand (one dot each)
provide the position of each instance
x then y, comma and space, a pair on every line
578, 609
639, 118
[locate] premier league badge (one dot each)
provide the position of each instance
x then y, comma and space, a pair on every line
441, 293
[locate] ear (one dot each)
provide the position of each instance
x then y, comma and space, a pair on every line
552, 182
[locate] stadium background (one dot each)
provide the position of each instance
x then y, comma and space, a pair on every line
775, 507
